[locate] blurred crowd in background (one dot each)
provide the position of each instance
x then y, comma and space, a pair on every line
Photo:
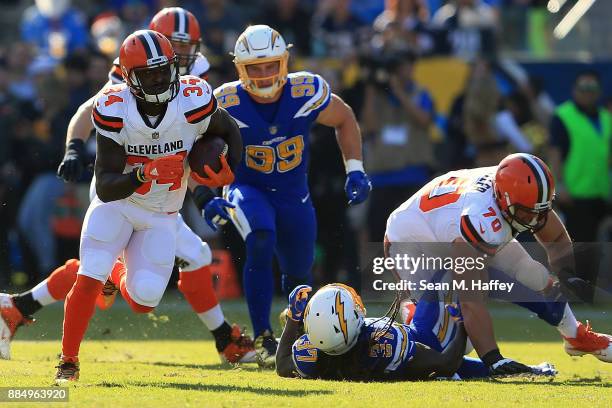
436, 85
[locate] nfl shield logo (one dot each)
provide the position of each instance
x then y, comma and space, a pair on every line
155, 135
273, 130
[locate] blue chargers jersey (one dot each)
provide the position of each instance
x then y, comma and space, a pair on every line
387, 357
276, 153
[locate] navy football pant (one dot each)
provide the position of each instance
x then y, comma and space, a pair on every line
273, 223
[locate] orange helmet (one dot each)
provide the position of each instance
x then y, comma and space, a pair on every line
179, 26
149, 66
524, 190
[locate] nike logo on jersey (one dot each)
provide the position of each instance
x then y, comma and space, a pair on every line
305, 198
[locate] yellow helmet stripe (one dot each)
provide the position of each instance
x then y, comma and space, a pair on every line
341, 317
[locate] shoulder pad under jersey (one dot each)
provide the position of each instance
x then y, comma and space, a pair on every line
311, 90
197, 99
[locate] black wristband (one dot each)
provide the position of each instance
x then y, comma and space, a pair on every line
202, 195
77, 145
134, 178
492, 357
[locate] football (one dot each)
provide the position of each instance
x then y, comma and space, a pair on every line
207, 151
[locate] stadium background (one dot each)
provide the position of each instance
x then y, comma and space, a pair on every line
523, 67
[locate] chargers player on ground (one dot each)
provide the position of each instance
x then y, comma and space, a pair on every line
193, 255
340, 343
270, 201
487, 207
145, 129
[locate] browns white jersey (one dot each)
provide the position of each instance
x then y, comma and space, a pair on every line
115, 115
457, 204
200, 68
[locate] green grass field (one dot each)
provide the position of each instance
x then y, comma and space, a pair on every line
168, 359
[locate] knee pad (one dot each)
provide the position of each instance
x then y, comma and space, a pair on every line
147, 290
96, 263
158, 247
195, 257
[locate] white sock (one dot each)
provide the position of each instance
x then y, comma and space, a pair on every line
568, 326
212, 318
41, 294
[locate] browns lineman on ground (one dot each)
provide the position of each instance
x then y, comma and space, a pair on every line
487, 207
145, 128
193, 255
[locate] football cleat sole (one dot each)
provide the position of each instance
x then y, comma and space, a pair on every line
604, 355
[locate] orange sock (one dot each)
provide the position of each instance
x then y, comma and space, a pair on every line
118, 278
197, 287
62, 279
78, 309
118, 272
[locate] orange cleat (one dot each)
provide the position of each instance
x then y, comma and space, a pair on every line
106, 298
11, 319
241, 348
589, 342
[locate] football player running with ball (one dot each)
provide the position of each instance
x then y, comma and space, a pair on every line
144, 130
486, 208
193, 255
270, 201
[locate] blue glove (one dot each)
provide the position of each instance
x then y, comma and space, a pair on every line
297, 302
215, 212
357, 187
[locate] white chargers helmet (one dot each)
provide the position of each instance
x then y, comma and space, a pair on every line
333, 318
256, 45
